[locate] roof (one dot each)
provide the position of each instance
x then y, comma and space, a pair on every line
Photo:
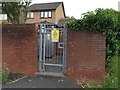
45, 22
62, 21
49, 24
44, 6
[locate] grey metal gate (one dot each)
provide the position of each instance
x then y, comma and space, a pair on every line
52, 54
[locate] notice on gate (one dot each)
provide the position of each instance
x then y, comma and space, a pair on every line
55, 35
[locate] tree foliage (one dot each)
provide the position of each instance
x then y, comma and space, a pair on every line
16, 11
12, 10
104, 21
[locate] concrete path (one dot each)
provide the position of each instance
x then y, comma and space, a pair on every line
42, 82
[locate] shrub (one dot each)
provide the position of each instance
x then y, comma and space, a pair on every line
4, 74
105, 21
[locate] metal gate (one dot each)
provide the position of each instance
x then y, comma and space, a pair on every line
52, 53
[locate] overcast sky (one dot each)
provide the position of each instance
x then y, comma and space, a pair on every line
77, 7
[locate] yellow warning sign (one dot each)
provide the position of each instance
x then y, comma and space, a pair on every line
55, 35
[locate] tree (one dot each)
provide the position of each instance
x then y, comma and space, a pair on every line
16, 11
23, 11
72, 17
12, 10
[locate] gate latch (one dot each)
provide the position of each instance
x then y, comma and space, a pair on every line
60, 45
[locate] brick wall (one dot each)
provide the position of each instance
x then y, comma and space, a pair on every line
20, 48
85, 52
85, 56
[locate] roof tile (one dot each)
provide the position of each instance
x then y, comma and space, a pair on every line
44, 6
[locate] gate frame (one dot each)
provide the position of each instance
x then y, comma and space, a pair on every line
63, 65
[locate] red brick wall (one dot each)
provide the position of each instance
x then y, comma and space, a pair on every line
85, 56
20, 48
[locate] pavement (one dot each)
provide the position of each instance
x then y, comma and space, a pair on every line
42, 82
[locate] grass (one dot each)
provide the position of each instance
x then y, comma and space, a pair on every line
112, 73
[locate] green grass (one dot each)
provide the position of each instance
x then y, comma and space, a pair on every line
112, 78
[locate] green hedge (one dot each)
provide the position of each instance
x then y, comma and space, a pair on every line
105, 21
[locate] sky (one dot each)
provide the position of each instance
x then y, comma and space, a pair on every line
76, 7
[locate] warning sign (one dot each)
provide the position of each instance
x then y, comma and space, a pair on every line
55, 35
